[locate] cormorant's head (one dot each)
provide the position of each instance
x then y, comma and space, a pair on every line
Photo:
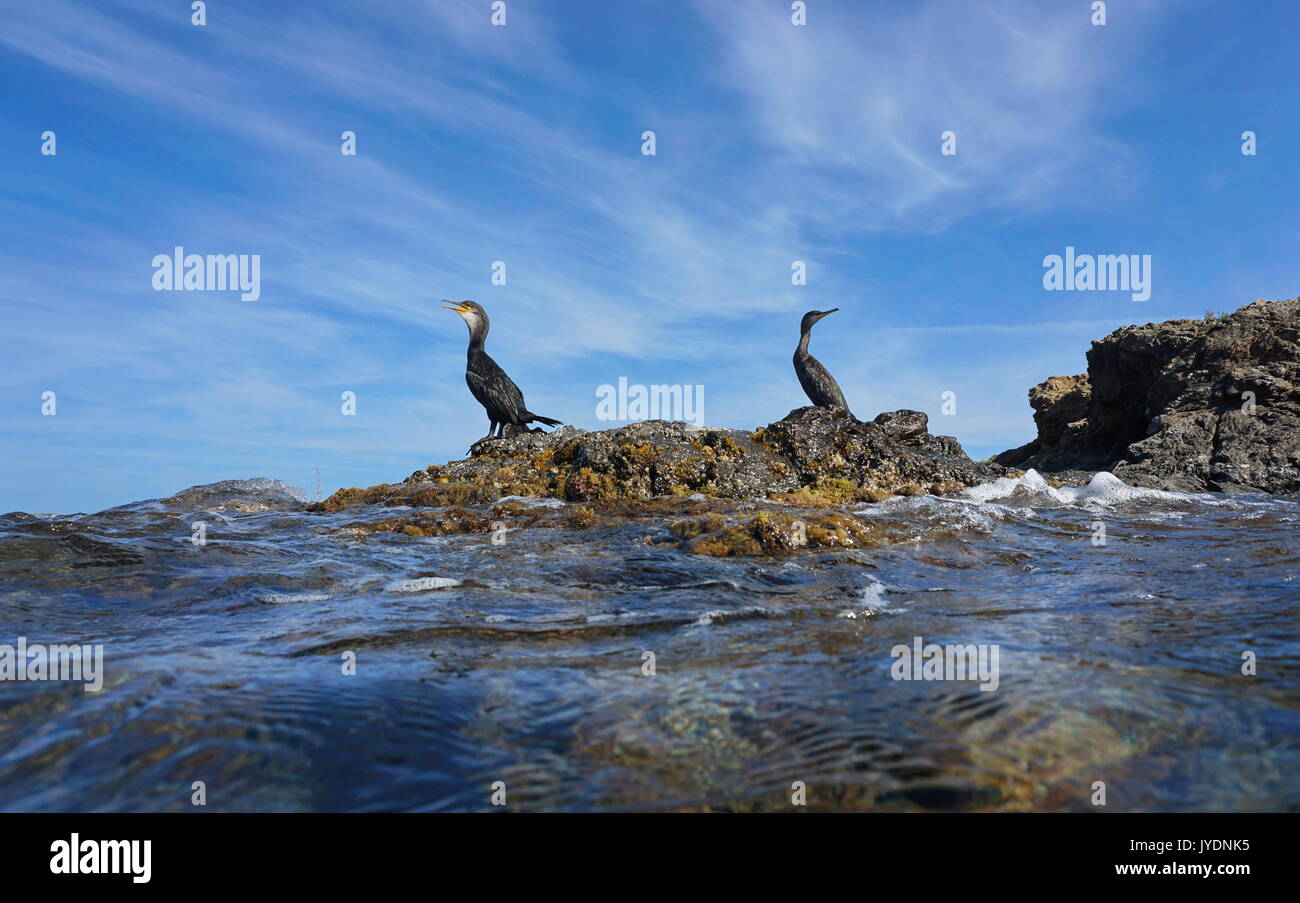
472, 313
813, 316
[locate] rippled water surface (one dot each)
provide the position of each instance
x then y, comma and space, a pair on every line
521, 661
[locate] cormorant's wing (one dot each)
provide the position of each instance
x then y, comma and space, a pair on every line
496, 391
820, 386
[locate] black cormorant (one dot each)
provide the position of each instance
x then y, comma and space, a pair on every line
816, 380
487, 381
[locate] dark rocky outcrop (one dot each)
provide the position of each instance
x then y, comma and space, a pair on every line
1196, 405
815, 457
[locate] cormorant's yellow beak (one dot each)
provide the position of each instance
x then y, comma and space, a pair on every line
452, 305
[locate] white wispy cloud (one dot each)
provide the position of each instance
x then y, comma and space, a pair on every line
857, 99
796, 143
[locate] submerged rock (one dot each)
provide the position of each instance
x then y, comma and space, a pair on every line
814, 457
1193, 405
772, 533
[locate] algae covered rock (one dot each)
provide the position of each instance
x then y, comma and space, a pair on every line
818, 457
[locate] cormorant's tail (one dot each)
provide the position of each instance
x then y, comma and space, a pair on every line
546, 420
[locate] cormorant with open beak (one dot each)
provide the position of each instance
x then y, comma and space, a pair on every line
816, 380
487, 381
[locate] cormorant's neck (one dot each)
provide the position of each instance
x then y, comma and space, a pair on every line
803, 340
477, 335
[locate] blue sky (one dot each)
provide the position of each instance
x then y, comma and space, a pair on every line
522, 143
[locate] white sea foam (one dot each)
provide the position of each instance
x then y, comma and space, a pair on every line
873, 595
421, 584
1104, 490
531, 502
285, 598
873, 601
726, 614
951, 512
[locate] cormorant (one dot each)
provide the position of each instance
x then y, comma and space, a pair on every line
487, 381
816, 380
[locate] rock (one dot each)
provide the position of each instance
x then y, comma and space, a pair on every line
1169, 405
1061, 415
257, 494
815, 457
